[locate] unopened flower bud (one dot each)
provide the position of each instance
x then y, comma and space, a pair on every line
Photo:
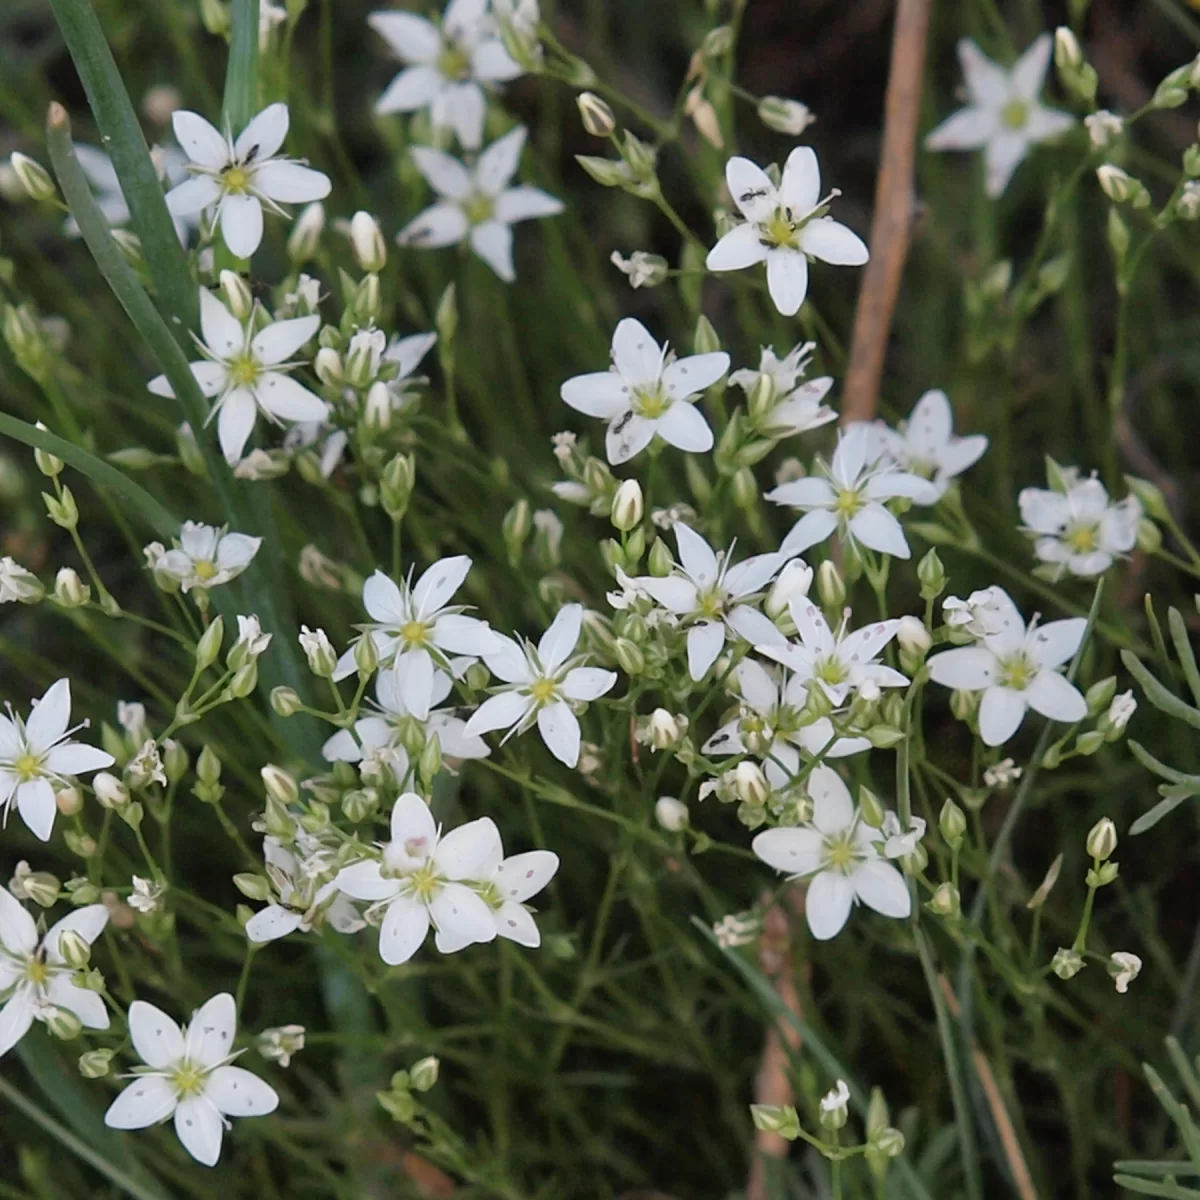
952, 824
39, 886
595, 114
253, 887
110, 791
1121, 187
75, 949
366, 239
424, 1074
305, 235
69, 590
209, 645
1066, 964
831, 587
1067, 52
237, 295
773, 1118
69, 800
793, 583
660, 561
785, 116
913, 637
931, 575
945, 901
629, 656
750, 784
329, 367
396, 485
34, 178
95, 1064
377, 411
663, 729
321, 656
366, 656
429, 764
671, 814
62, 1023
628, 506
208, 766
175, 760
963, 704
280, 785
1102, 839
516, 527
1103, 128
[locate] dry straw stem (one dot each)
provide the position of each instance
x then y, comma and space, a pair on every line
891, 227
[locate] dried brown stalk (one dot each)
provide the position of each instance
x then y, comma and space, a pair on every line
891, 227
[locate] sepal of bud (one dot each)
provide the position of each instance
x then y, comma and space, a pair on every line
1066, 963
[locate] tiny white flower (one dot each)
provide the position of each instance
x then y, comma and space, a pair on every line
36, 757
251, 640
451, 65
641, 268
420, 880
146, 766
280, 1043
1016, 669
836, 1099
1080, 531
896, 841
784, 373
205, 556
736, 929
245, 372
188, 1075
1004, 114
982, 612
795, 407
131, 716
1103, 128
35, 979
925, 444
17, 584
1002, 774
304, 900
1120, 710
714, 597
147, 894
850, 498
506, 883
784, 227
476, 204
646, 392
542, 682
1124, 969
837, 853
241, 177
412, 618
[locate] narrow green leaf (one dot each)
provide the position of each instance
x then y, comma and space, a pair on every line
1158, 695
1156, 634
1162, 809
100, 473
1160, 768
1183, 648
122, 138
1164, 1166
1145, 1187
241, 75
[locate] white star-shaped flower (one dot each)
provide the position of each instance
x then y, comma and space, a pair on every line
245, 371
794, 407
476, 203
785, 226
419, 881
409, 618
204, 556
839, 855
542, 682
714, 597
1080, 531
188, 1075
506, 883
451, 65
1004, 114
240, 177
303, 900
850, 498
925, 444
34, 976
36, 755
647, 392
1016, 669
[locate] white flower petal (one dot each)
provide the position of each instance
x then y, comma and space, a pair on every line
704, 643
800, 184
516, 923
156, 1038
600, 394
627, 436
242, 224
672, 592
18, 931
238, 1093
1000, 714
967, 129
412, 38
500, 711
459, 634
412, 824
88, 922
753, 626
1047, 123
833, 808
264, 135
741, 247
877, 529
235, 423
235, 551
491, 63
404, 927
200, 141
210, 1032
695, 373
635, 354
791, 850
223, 333
282, 397
445, 174
199, 1128
493, 242
809, 492
881, 887
273, 922
752, 575
560, 731
812, 528
969, 668
148, 1100
986, 81
828, 903
463, 915
525, 203
559, 641
88, 1006
35, 803
1029, 71
1054, 696
210, 376
384, 601
442, 224
787, 279
463, 851
463, 108
281, 339
363, 881
684, 427
412, 89
587, 683
499, 162
1003, 155
1056, 641
50, 717
756, 685
524, 875
751, 189
193, 196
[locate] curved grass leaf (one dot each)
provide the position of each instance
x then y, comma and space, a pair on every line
241, 75
1158, 695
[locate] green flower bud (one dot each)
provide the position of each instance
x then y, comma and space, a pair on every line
286, 701
945, 902
209, 645
305, 236
628, 506
208, 766
424, 1074
884, 737
1066, 964
871, 808
952, 823
629, 657
33, 177
831, 587
95, 1064
253, 887
69, 590
931, 575
366, 656
596, 115
772, 1118
1102, 839
62, 1023
235, 291
75, 949
62, 509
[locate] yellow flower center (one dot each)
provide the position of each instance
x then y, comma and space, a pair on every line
1015, 114
781, 230
37, 972
188, 1079
244, 370
236, 179
840, 852
205, 569
425, 882
542, 690
1017, 672
28, 766
710, 603
1083, 540
413, 632
849, 503
478, 208
832, 671
454, 63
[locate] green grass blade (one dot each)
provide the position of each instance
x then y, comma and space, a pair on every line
241, 76
123, 140
1158, 695
1183, 648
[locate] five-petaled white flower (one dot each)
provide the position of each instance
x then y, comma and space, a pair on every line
35, 755
476, 204
714, 596
306, 895
785, 227
188, 1075
204, 556
647, 391
35, 979
1079, 531
1004, 115
420, 880
851, 497
240, 177
410, 618
839, 855
450, 66
542, 683
925, 444
245, 371
793, 407
1016, 669
506, 883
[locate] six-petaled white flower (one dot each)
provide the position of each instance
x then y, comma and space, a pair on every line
785, 226
240, 177
450, 66
542, 682
204, 556
476, 203
837, 852
35, 755
188, 1075
245, 371
714, 597
1079, 531
647, 392
419, 881
35, 979
851, 496
415, 618
1004, 115
1016, 669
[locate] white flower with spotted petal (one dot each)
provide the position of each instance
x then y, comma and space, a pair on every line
925, 444
188, 1075
1004, 115
204, 556
784, 227
245, 371
541, 683
1016, 669
476, 204
647, 392
36, 756
1079, 531
506, 883
35, 978
839, 856
241, 176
